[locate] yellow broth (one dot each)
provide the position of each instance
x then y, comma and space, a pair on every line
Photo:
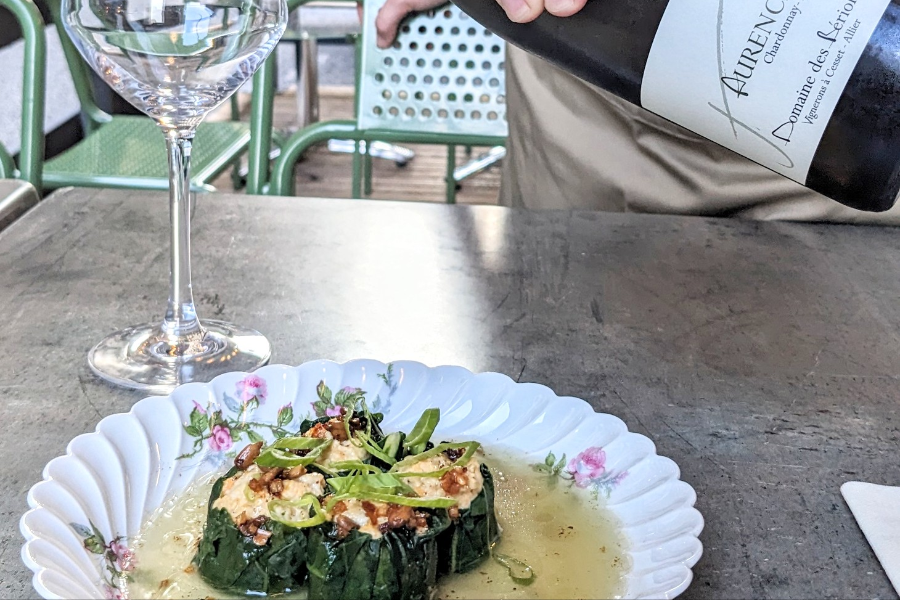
572, 543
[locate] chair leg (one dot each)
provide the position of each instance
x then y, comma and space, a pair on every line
367, 170
451, 181
356, 181
237, 178
308, 83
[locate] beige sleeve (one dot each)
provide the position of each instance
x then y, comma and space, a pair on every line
573, 146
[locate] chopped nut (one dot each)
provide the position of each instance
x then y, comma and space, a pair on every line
252, 527
317, 431
294, 472
337, 430
454, 480
453, 511
276, 487
344, 525
371, 511
189, 569
262, 537
247, 456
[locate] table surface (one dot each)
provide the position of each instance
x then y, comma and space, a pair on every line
762, 358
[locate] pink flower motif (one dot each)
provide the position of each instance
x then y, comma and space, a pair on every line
587, 466
220, 440
251, 386
125, 559
199, 408
333, 411
112, 593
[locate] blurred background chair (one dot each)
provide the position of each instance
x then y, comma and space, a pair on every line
126, 151
328, 21
31, 153
442, 83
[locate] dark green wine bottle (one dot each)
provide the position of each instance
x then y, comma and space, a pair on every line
810, 90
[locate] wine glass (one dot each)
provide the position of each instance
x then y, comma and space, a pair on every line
176, 60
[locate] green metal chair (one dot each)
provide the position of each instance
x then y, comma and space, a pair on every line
125, 151
34, 75
442, 82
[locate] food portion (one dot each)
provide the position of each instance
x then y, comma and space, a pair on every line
353, 512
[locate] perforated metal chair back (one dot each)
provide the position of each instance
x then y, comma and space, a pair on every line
444, 74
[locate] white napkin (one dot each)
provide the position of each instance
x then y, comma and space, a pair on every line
877, 510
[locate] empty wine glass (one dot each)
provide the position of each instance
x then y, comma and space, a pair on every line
176, 60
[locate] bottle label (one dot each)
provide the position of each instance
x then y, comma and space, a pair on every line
761, 77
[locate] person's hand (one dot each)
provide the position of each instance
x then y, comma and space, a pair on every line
388, 20
518, 11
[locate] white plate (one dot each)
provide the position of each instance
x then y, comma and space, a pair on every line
96, 497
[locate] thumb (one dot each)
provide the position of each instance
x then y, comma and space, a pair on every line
522, 11
388, 20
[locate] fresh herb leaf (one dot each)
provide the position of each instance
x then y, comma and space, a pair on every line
418, 438
392, 444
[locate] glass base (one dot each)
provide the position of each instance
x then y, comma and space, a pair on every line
141, 358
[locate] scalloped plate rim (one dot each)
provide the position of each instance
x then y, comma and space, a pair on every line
38, 571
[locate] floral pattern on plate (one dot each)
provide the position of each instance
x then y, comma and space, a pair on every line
221, 431
116, 558
586, 471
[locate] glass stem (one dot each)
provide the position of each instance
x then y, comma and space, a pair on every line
181, 326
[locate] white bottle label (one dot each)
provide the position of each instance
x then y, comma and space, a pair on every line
761, 77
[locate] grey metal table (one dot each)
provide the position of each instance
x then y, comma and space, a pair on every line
16, 197
763, 358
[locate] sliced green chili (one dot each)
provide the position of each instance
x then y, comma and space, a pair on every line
299, 443
373, 482
275, 457
308, 501
399, 469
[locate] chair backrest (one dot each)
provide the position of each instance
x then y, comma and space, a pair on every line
94, 116
444, 74
31, 154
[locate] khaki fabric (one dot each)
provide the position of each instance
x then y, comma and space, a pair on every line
573, 146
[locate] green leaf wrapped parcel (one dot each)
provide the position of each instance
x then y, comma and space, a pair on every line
229, 560
353, 513
400, 565
469, 539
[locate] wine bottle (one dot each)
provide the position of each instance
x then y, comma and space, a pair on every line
810, 90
